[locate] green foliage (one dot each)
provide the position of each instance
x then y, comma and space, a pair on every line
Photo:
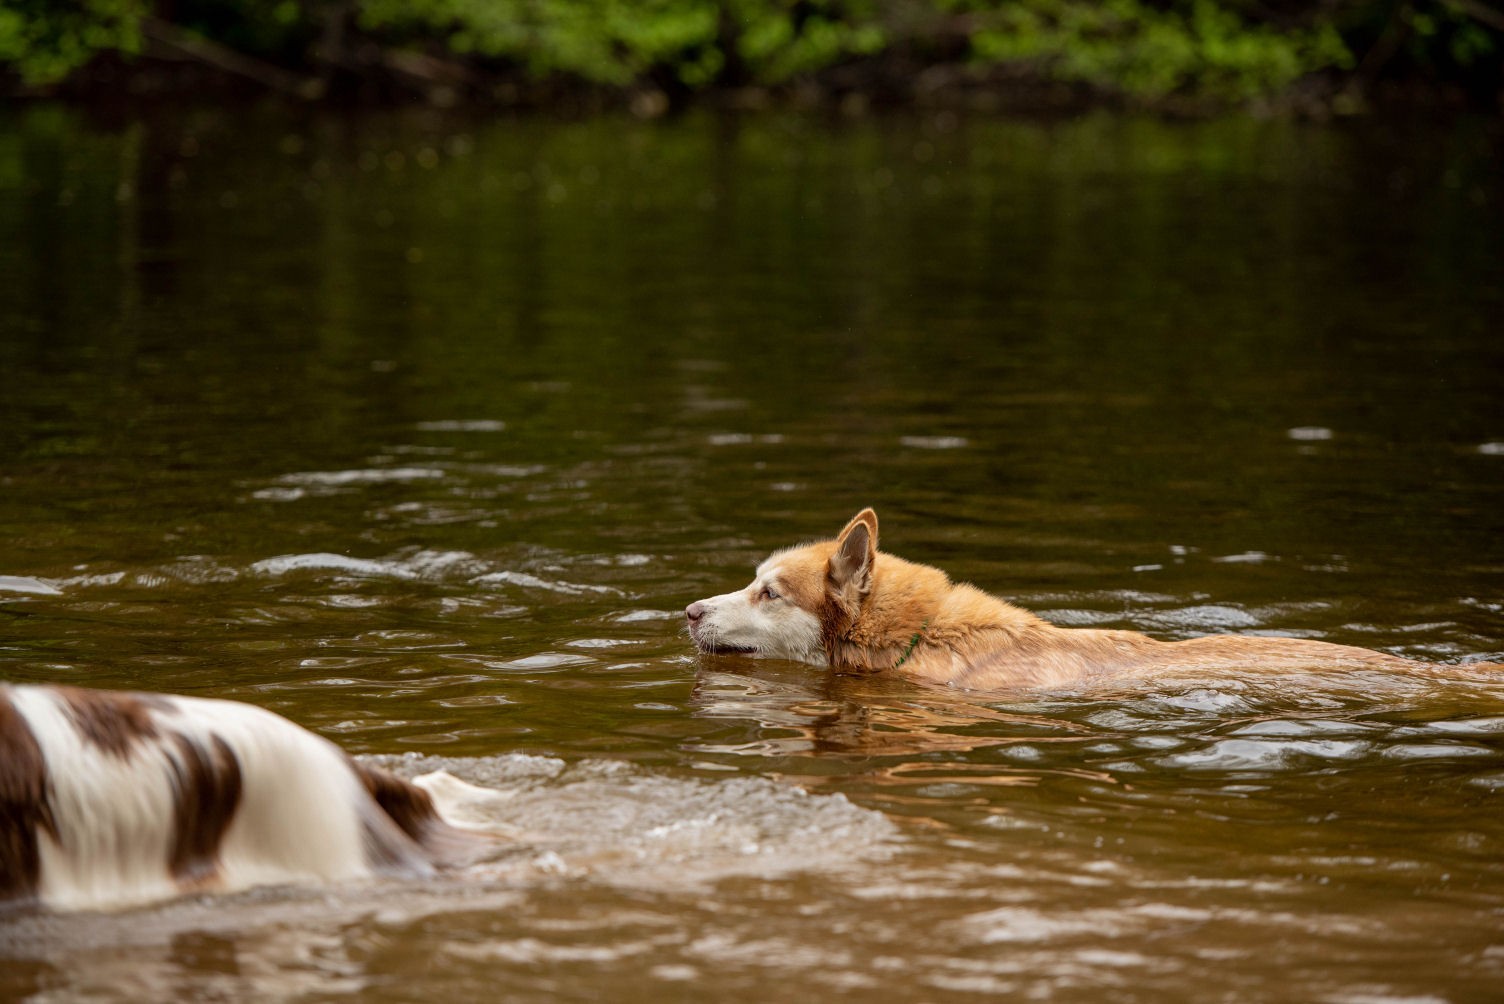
1228, 51
612, 42
777, 45
1154, 50
45, 40
597, 40
1449, 34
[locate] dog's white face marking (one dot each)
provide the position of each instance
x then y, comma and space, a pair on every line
760, 620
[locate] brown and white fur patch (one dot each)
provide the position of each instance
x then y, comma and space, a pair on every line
844, 604
109, 799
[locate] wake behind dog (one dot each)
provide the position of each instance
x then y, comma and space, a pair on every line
842, 603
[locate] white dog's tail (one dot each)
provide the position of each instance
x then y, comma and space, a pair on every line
412, 811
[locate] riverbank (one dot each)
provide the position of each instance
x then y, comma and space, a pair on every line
849, 91
1192, 58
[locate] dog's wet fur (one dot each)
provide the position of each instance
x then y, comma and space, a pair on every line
843, 603
110, 799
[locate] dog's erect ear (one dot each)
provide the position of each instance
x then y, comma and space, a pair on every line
856, 553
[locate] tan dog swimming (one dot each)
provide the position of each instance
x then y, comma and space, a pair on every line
844, 604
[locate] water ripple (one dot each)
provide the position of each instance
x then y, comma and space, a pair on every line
511, 578
324, 561
634, 827
1261, 755
28, 585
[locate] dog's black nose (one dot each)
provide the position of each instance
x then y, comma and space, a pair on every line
694, 611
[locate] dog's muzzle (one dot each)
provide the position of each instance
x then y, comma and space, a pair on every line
694, 615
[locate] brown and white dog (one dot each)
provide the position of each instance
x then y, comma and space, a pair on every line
844, 604
109, 799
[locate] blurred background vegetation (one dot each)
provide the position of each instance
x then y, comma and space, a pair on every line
1168, 53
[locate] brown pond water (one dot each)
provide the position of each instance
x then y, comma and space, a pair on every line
422, 432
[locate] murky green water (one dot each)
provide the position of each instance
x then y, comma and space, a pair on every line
423, 432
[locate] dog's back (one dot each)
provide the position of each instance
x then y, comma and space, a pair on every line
112, 798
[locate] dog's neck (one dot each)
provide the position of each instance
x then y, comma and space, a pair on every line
913, 644
915, 613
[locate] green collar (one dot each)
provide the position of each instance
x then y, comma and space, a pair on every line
913, 644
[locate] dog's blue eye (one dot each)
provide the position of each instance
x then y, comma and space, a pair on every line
768, 594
